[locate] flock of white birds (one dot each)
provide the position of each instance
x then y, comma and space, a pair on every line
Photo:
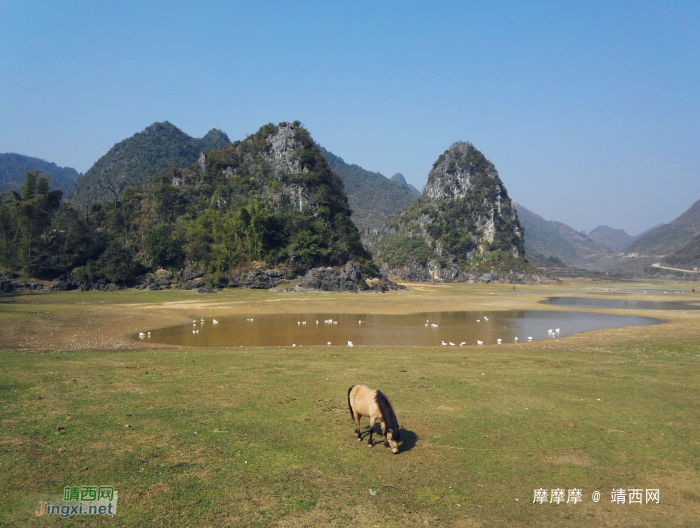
552, 332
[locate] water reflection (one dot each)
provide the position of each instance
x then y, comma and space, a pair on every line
621, 304
422, 329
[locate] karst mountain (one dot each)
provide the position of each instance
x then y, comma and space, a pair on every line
464, 219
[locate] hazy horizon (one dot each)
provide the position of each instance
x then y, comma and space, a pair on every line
589, 111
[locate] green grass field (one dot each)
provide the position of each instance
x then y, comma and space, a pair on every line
274, 444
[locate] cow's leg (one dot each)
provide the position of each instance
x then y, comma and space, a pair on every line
386, 440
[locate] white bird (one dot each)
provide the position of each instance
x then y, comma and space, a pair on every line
303, 322
451, 343
202, 319
194, 322
426, 324
556, 330
359, 322
141, 335
350, 343
329, 342
529, 338
251, 319
194, 331
479, 342
516, 339
215, 321
316, 321
444, 344
478, 320
197, 331
427, 320
550, 331
294, 344
335, 322
149, 334
499, 341
486, 318
298, 323
463, 343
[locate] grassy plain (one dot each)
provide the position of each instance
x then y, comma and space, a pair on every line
484, 427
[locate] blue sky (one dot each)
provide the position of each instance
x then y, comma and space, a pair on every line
589, 110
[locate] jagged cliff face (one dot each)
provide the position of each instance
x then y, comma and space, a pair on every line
465, 214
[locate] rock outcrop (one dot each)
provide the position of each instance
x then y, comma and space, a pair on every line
432, 272
346, 279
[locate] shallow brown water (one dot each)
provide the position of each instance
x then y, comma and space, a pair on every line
388, 330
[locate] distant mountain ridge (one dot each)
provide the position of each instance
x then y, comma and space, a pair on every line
399, 179
671, 237
670, 244
610, 237
556, 239
14, 167
372, 196
143, 157
688, 257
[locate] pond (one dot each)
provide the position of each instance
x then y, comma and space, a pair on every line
617, 304
420, 329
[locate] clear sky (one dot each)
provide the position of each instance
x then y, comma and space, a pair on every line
589, 110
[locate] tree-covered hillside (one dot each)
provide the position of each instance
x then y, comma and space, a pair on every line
372, 197
141, 158
14, 167
271, 198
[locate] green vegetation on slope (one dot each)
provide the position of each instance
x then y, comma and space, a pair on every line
141, 158
271, 197
372, 197
14, 167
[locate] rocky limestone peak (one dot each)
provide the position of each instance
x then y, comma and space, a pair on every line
457, 171
463, 173
464, 214
282, 149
